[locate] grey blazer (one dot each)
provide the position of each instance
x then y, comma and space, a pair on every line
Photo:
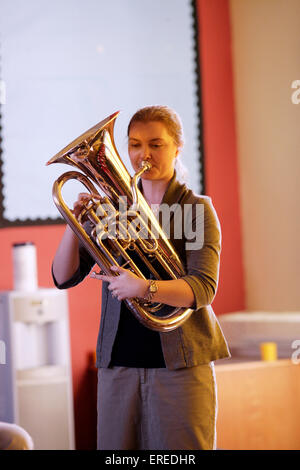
200, 339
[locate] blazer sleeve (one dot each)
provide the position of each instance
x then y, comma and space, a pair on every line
203, 253
86, 262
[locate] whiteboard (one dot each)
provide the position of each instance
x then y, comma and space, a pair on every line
66, 65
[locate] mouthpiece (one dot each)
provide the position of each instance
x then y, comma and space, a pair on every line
146, 165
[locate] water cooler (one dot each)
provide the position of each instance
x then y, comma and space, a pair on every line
35, 375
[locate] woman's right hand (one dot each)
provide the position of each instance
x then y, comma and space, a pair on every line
79, 204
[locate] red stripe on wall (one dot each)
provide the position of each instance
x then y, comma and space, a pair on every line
220, 146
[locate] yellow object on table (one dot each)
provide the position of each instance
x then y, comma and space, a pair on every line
268, 351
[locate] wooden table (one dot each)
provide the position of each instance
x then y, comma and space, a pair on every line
259, 405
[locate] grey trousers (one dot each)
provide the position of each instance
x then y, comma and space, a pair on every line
157, 409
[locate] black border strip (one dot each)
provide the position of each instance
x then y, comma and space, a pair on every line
199, 95
59, 220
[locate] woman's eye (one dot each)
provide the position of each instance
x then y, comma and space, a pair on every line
137, 145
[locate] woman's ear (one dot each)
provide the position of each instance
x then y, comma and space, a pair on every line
177, 151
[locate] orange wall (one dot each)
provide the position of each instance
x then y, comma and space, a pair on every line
220, 147
84, 303
221, 184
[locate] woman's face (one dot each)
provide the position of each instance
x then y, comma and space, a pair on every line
151, 141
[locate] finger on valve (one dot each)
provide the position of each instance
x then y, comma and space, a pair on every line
80, 202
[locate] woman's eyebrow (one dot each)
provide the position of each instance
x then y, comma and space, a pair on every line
155, 139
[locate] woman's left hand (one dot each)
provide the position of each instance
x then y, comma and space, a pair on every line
124, 286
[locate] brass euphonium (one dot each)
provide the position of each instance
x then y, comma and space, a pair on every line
95, 154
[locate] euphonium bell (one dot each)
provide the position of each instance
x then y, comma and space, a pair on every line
123, 230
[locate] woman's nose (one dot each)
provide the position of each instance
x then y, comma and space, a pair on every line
146, 154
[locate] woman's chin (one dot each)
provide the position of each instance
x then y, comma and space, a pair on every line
148, 175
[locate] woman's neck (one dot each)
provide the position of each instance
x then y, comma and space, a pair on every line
154, 190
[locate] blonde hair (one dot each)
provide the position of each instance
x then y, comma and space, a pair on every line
173, 124
162, 114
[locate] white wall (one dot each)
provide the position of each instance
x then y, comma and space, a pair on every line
69, 64
266, 60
